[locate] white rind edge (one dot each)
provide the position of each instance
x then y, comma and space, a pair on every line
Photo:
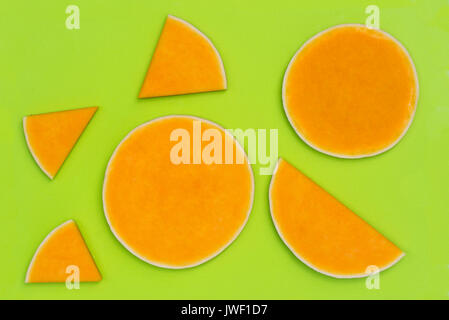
31, 149
338, 155
220, 250
40, 246
303, 260
225, 82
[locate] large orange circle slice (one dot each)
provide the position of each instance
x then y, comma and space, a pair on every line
351, 91
176, 215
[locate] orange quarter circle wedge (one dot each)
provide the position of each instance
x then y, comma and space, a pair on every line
51, 136
351, 91
184, 61
177, 191
322, 232
63, 253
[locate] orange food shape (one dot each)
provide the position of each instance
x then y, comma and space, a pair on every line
322, 232
351, 91
62, 253
177, 215
185, 61
51, 136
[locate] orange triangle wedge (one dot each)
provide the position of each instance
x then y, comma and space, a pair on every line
51, 136
185, 61
322, 232
61, 252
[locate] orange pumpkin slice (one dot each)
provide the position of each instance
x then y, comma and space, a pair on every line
63, 249
185, 61
350, 91
177, 215
322, 232
51, 136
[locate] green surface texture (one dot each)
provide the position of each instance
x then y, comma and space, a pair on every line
45, 67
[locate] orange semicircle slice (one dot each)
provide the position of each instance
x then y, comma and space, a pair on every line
51, 136
62, 253
350, 91
173, 213
185, 61
322, 232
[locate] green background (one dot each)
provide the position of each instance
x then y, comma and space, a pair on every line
45, 67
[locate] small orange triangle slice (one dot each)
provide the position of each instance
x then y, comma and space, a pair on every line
322, 232
62, 252
51, 136
185, 61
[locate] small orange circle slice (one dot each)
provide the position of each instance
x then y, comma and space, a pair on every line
351, 91
173, 213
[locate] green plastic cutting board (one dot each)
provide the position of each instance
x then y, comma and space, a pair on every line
44, 67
